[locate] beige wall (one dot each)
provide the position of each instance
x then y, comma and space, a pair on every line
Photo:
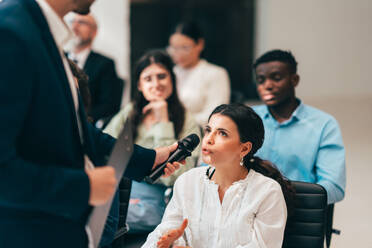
113, 37
331, 39
113, 33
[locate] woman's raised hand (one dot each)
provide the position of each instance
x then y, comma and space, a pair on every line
159, 108
169, 237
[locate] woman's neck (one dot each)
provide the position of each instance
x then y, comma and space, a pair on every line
227, 175
192, 65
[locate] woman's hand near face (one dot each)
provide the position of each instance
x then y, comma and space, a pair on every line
169, 237
159, 109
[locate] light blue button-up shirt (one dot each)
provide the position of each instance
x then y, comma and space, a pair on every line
308, 147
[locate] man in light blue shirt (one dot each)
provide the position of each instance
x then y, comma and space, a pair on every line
303, 142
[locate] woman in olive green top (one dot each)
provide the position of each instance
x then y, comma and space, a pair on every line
159, 119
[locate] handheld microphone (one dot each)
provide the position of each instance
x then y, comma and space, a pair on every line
184, 149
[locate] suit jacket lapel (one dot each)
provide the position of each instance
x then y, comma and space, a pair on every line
89, 63
53, 51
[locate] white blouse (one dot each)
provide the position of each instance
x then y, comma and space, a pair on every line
253, 213
202, 88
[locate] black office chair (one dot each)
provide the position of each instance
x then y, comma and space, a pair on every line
329, 227
306, 227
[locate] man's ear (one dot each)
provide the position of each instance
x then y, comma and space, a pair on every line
94, 34
295, 80
245, 148
200, 44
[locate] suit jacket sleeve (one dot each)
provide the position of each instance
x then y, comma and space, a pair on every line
140, 163
50, 188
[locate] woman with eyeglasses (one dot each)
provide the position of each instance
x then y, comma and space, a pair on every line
201, 86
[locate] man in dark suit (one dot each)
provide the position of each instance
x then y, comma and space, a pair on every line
105, 86
46, 143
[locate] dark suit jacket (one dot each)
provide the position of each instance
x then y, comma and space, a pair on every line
105, 86
44, 190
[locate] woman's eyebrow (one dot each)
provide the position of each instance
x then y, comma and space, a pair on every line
223, 129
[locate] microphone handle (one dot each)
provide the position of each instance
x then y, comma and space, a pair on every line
159, 170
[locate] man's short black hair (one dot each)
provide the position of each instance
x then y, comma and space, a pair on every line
278, 55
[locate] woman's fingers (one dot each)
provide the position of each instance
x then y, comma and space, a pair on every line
169, 237
164, 242
176, 165
171, 168
183, 227
147, 108
159, 108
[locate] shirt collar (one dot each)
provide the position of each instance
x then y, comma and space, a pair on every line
296, 115
58, 27
80, 57
299, 111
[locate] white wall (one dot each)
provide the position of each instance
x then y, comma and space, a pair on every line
113, 38
113, 32
331, 40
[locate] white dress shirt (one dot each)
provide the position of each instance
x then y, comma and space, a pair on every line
202, 88
253, 213
61, 34
80, 57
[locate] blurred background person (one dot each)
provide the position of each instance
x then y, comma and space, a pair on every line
303, 142
159, 119
104, 84
201, 86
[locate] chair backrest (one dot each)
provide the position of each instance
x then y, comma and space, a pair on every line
307, 225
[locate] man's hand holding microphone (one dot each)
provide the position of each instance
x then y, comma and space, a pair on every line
102, 179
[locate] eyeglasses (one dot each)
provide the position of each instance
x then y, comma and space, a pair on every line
180, 49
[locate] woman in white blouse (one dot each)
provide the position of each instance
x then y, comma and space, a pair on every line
238, 201
201, 86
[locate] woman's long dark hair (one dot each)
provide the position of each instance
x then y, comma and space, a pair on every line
251, 128
176, 111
